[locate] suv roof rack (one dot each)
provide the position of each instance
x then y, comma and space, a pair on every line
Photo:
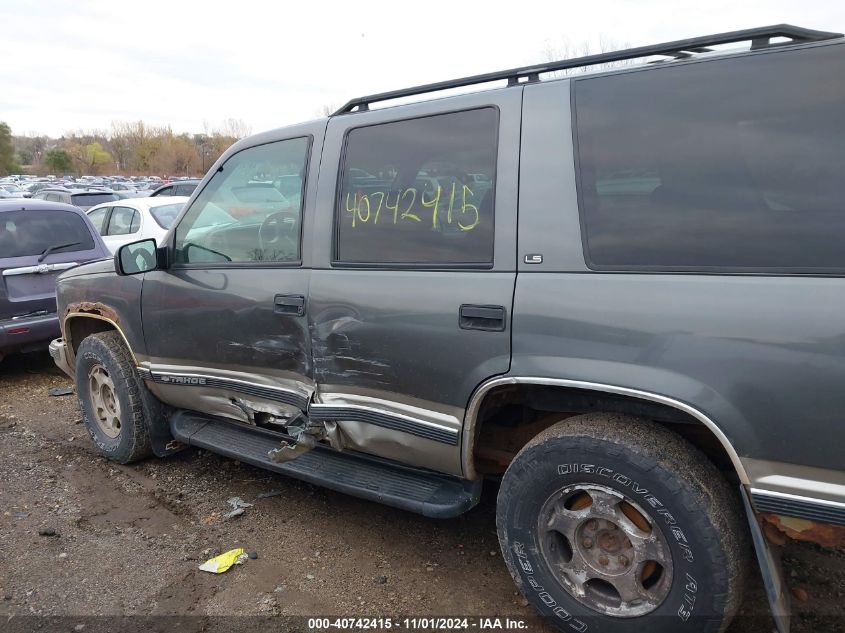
759, 37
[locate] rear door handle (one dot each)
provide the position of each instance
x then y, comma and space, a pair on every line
293, 305
476, 317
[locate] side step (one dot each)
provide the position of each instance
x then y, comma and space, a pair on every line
422, 492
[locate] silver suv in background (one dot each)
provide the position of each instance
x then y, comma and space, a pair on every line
649, 356
82, 198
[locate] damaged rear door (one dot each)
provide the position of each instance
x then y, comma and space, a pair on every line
226, 326
414, 272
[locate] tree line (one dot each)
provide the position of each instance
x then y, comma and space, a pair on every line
127, 148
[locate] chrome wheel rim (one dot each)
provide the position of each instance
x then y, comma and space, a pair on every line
104, 403
605, 550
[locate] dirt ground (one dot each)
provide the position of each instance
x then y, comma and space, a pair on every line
128, 540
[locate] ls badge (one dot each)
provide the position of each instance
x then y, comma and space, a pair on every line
535, 258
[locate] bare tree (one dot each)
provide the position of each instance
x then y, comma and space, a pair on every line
327, 109
234, 128
564, 49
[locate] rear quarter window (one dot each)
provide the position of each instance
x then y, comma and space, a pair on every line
24, 233
733, 164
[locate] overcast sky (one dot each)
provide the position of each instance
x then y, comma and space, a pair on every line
81, 64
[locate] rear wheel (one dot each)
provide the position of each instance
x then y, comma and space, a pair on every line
110, 396
612, 523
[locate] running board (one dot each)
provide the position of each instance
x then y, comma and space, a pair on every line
417, 491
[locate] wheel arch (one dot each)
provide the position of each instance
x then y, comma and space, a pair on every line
78, 325
487, 391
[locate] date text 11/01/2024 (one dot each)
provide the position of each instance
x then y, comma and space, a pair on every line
456, 205
418, 624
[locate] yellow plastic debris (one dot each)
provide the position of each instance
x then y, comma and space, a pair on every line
224, 561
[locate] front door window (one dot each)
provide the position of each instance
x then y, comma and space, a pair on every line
250, 210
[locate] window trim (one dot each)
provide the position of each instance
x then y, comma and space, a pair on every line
791, 271
106, 218
338, 263
171, 246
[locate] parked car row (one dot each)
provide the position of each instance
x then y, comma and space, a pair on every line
122, 187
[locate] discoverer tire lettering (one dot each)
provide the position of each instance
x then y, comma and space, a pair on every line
671, 502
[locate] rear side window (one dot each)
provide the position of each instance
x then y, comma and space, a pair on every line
24, 233
98, 218
124, 221
419, 191
730, 164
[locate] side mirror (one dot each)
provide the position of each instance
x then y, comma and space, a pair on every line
137, 257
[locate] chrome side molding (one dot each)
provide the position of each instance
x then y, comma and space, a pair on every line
378, 417
192, 379
784, 504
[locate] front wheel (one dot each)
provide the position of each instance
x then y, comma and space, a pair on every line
611, 523
110, 396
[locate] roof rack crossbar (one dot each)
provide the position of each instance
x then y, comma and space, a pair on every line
760, 37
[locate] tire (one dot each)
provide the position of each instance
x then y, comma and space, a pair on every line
117, 423
667, 549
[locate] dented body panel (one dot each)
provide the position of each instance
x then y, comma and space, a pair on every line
412, 357
234, 392
218, 324
412, 431
219, 327
390, 340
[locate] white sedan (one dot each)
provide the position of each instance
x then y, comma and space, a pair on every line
124, 221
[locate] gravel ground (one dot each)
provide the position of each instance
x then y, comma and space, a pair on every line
128, 540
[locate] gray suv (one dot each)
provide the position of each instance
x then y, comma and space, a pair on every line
618, 293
